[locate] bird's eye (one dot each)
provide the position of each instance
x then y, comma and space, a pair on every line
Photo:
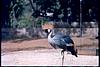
46, 30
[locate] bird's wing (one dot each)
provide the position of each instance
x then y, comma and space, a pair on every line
67, 41
61, 39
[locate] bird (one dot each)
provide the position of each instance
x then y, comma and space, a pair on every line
61, 41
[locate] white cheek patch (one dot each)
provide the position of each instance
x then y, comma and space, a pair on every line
48, 30
69, 44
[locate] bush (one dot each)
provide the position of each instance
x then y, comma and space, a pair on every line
24, 23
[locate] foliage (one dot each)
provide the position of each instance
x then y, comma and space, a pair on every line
15, 11
24, 22
63, 10
16, 7
39, 21
59, 8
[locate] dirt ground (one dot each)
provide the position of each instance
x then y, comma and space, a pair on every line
85, 46
46, 57
40, 53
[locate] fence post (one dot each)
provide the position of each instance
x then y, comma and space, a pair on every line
97, 51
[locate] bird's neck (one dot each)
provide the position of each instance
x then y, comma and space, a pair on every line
49, 36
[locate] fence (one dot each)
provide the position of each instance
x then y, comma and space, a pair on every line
39, 33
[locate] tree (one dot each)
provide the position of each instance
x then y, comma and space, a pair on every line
64, 10
11, 10
89, 10
5, 13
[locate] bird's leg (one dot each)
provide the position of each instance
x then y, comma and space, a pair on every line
75, 48
62, 53
75, 51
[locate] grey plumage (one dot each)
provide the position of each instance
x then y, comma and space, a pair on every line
62, 41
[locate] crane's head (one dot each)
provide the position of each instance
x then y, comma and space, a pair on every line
47, 30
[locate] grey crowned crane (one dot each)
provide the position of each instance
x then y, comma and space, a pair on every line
61, 41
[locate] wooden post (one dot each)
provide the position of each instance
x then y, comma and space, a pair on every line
97, 51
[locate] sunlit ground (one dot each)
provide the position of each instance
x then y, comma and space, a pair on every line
46, 57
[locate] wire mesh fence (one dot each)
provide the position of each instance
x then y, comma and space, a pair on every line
40, 33
85, 44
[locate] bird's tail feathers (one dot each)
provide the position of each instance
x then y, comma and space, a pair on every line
72, 50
